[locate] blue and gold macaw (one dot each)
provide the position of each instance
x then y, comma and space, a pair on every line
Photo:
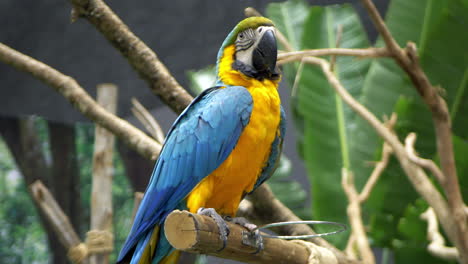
224, 145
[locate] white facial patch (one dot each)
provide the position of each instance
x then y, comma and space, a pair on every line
247, 41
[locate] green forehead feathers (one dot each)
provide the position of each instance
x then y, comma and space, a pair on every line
251, 22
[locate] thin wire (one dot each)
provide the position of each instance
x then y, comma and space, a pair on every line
310, 222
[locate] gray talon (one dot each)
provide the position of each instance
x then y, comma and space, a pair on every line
255, 239
222, 226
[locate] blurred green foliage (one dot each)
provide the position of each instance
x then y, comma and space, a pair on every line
22, 239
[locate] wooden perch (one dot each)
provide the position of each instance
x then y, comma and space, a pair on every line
199, 234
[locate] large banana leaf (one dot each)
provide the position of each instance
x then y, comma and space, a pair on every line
327, 123
435, 26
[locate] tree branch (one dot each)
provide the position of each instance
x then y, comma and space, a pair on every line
425, 163
409, 62
138, 54
199, 234
415, 174
437, 245
285, 57
380, 166
148, 121
355, 217
78, 97
59, 221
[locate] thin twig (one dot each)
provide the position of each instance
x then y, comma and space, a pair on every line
297, 78
148, 121
380, 166
358, 238
437, 245
409, 62
250, 11
355, 217
375, 175
286, 57
339, 33
81, 100
425, 163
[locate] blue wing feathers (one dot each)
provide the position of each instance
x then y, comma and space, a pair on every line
201, 138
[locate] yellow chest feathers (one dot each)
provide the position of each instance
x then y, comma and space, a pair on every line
224, 187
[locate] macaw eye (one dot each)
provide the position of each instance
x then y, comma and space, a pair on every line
241, 35
260, 30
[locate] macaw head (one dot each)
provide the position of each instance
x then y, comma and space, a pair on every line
250, 50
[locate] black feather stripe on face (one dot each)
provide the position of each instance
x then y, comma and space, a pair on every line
245, 39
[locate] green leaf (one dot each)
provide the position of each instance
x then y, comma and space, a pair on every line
289, 18
411, 226
444, 56
326, 120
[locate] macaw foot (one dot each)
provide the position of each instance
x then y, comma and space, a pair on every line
222, 226
254, 238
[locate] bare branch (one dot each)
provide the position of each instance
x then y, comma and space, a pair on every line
78, 97
355, 217
339, 34
200, 234
425, 163
77, 251
375, 175
416, 175
138, 54
381, 165
409, 62
437, 245
286, 57
148, 121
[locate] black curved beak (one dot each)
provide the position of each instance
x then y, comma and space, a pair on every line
265, 54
